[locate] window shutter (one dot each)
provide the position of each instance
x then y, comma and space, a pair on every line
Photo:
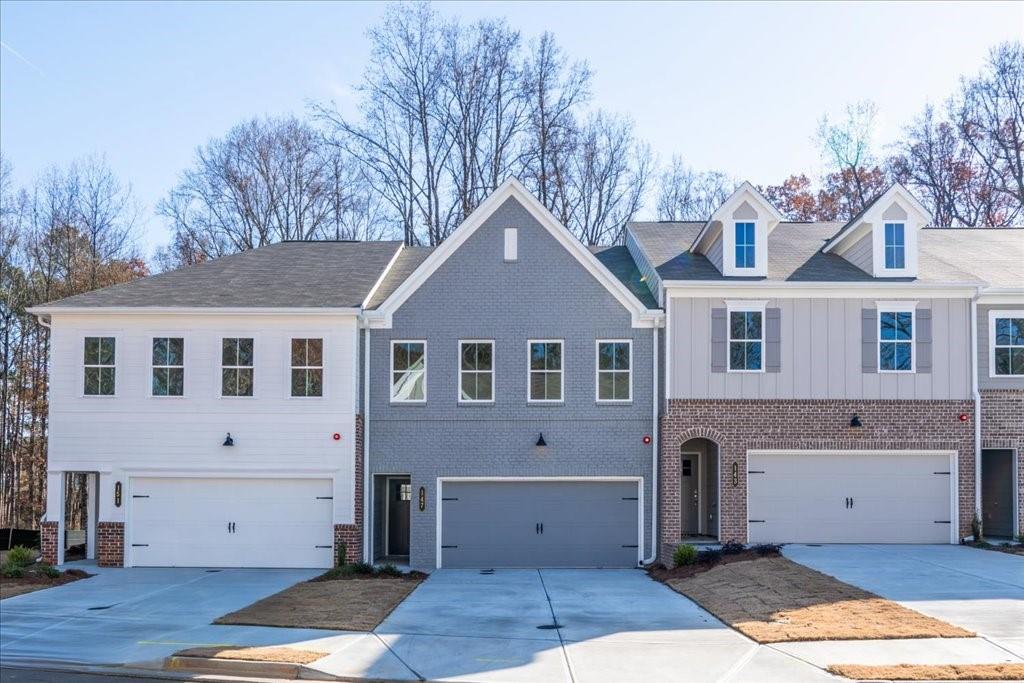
719, 339
869, 340
923, 340
773, 339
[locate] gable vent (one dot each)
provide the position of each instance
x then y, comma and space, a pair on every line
511, 244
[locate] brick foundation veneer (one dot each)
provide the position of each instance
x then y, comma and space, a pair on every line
741, 425
1002, 426
110, 544
352, 534
48, 542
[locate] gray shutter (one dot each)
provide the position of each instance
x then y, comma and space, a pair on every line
773, 339
869, 340
719, 339
923, 340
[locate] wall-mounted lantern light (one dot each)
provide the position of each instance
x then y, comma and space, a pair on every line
542, 446
855, 421
229, 441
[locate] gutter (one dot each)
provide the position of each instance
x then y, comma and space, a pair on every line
976, 395
656, 453
367, 508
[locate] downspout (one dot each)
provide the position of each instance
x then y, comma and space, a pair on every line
976, 395
655, 455
367, 497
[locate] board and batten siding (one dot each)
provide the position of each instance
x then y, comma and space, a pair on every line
985, 378
820, 354
134, 432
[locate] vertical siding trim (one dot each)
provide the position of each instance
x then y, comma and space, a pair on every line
773, 340
719, 339
869, 340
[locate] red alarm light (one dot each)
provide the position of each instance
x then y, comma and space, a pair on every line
962, 417
337, 436
646, 440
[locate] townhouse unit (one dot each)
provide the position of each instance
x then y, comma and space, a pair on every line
512, 398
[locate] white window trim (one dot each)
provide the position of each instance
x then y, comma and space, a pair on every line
597, 371
896, 307
184, 375
81, 377
739, 306
322, 367
458, 388
992, 315
735, 244
885, 265
219, 382
529, 372
391, 372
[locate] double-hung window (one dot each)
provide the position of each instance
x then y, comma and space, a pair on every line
895, 246
746, 340
1007, 343
745, 245
896, 340
236, 370
408, 371
545, 370
168, 366
307, 368
614, 374
476, 371
99, 366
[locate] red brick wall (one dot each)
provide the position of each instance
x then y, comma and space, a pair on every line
740, 425
352, 534
1002, 426
110, 544
48, 542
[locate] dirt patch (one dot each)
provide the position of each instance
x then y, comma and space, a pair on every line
352, 603
280, 655
663, 574
35, 580
774, 600
931, 672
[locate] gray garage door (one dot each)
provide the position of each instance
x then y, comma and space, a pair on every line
539, 524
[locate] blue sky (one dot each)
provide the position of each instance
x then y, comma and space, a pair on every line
731, 86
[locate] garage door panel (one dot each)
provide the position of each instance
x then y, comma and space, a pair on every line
896, 498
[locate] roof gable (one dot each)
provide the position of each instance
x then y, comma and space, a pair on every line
880, 204
742, 202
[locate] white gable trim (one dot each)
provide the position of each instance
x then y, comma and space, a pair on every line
640, 314
707, 234
896, 191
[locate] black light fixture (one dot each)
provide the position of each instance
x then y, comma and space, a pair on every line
542, 445
855, 421
229, 441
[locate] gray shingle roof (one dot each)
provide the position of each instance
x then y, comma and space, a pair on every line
946, 255
620, 262
408, 260
287, 275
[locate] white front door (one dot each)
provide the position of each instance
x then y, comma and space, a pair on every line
835, 497
186, 522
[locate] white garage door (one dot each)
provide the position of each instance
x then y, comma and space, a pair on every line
231, 522
849, 498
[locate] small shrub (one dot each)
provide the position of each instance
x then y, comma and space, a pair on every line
684, 555
11, 571
342, 554
49, 570
767, 549
363, 568
709, 556
20, 556
388, 570
732, 548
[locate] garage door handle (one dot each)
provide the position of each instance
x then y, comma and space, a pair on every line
542, 527
851, 503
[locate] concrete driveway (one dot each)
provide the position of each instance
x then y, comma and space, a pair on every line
980, 590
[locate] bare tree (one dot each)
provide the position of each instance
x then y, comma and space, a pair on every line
846, 147
685, 194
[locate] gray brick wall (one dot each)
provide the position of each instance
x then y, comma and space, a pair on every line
546, 294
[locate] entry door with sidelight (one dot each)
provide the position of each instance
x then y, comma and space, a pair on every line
399, 498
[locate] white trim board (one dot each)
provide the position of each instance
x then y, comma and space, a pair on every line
641, 316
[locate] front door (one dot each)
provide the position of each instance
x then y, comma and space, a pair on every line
399, 496
997, 492
689, 476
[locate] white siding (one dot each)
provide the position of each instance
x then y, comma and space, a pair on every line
715, 253
821, 355
134, 433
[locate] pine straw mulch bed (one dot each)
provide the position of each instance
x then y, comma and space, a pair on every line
931, 672
339, 602
278, 655
773, 600
1009, 548
34, 579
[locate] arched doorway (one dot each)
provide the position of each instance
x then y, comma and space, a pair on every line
699, 490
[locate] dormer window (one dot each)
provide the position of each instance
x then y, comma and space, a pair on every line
745, 245
895, 246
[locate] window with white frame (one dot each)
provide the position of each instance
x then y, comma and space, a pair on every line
614, 373
545, 371
476, 371
746, 339
408, 371
896, 340
168, 366
745, 245
99, 366
895, 246
307, 378
236, 370
1007, 343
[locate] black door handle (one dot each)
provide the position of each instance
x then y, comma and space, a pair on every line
536, 528
851, 503
542, 527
